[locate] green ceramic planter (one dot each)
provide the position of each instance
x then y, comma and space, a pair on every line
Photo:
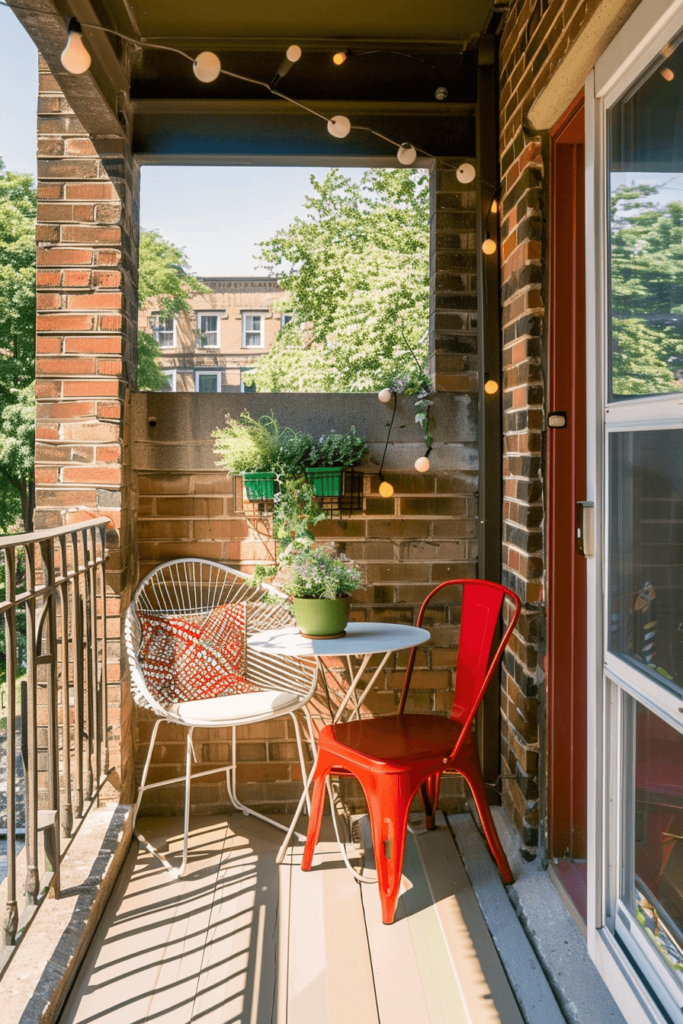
259, 486
322, 616
326, 481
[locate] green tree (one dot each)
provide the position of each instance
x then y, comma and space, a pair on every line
162, 277
356, 276
18, 205
647, 292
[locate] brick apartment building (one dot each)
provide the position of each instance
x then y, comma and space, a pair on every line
228, 331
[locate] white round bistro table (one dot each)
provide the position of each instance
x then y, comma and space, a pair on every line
363, 640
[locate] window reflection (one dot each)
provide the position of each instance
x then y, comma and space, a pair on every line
646, 552
658, 828
646, 232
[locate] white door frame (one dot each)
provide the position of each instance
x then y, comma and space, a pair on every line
648, 29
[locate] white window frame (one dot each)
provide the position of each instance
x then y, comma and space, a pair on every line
611, 679
253, 312
172, 375
154, 325
198, 331
208, 373
285, 319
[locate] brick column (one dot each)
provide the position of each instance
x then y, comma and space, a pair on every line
453, 291
86, 354
523, 560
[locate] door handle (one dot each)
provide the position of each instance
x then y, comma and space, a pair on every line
585, 528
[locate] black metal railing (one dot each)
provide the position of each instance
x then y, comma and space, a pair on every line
53, 680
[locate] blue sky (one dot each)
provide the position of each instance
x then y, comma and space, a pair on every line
216, 214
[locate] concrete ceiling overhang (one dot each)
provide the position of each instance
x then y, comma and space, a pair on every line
401, 51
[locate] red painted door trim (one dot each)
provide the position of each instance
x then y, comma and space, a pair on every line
566, 474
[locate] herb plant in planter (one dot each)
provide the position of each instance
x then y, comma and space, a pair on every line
330, 457
252, 447
320, 583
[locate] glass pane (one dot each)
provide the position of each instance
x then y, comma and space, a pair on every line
657, 898
646, 551
646, 199
208, 383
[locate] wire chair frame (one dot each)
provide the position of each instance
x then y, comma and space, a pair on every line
190, 586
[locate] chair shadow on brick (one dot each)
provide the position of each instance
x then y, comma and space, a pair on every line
186, 634
395, 755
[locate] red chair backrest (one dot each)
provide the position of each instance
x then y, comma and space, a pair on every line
481, 606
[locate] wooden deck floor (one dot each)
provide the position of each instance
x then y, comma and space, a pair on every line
239, 941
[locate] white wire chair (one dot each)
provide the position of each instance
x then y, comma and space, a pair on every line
196, 585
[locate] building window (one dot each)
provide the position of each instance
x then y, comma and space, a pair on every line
252, 330
163, 329
170, 377
285, 318
207, 382
207, 330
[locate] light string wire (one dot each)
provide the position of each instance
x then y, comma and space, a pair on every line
230, 74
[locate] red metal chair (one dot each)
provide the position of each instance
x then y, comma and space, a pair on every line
395, 755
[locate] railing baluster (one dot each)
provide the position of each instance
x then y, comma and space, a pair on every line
11, 912
32, 876
88, 701
48, 553
105, 653
67, 819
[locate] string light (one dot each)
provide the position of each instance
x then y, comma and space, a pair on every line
340, 57
206, 66
385, 488
494, 206
406, 154
75, 58
488, 246
441, 93
385, 395
422, 464
491, 387
465, 174
292, 55
667, 74
339, 126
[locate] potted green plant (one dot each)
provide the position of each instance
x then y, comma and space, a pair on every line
320, 583
251, 448
330, 457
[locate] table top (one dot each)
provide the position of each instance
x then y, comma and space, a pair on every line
361, 638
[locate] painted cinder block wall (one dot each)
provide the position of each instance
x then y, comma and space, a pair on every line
546, 51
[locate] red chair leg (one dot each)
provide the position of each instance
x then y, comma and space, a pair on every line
389, 798
315, 819
429, 791
469, 768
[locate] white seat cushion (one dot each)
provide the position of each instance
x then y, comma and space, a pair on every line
238, 707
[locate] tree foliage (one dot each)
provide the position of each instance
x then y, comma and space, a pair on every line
18, 205
647, 292
162, 277
355, 272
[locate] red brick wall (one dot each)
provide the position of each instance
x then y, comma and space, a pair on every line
538, 37
86, 354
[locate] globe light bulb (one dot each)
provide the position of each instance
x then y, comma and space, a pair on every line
441, 93
465, 173
339, 126
422, 464
494, 206
293, 53
75, 58
667, 74
206, 66
339, 58
406, 154
386, 489
490, 387
385, 395
488, 247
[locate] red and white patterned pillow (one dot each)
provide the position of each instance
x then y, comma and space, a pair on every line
194, 656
